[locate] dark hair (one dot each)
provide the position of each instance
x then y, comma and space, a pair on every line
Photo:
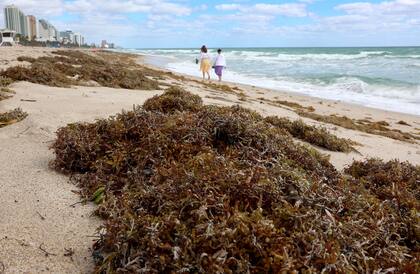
219, 50
204, 49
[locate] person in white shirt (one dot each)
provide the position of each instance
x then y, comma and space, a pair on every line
219, 64
205, 63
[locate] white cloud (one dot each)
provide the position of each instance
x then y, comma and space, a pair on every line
228, 7
37, 7
398, 7
287, 9
170, 8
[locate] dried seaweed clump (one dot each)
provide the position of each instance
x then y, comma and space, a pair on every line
294, 105
26, 59
5, 81
5, 92
311, 134
404, 123
377, 128
77, 68
391, 180
4, 96
398, 185
219, 190
40, 74
12, 117
174, 99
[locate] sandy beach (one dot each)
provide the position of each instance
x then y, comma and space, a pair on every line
39, 226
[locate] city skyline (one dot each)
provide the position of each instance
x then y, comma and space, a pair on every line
259, 23
39, 30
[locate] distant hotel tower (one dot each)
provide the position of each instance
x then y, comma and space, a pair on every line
32, 33
15, 20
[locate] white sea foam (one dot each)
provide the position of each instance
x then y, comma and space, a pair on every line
347, 89
387, 79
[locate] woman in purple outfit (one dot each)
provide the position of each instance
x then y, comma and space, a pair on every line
219, 64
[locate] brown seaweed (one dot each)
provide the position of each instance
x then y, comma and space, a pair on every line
219, 190
12, 117
5, 81
174, 99
76, 68
314, 135
377, 128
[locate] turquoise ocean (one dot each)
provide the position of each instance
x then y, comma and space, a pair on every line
386, 78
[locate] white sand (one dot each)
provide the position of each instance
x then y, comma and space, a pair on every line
29, 188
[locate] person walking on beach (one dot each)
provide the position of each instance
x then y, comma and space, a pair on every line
219, 64
205, 64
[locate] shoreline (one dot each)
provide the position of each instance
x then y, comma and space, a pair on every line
158, 62
291, 94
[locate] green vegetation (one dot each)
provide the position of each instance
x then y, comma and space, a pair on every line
210, 189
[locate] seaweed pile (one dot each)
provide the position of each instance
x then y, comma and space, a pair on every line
12, 117
311, 134
5, 92
5, 81
293, 105
68, 68
377, 128
174, 99
219, 190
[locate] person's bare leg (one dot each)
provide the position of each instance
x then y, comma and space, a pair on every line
220, 78
204, 75
208, 75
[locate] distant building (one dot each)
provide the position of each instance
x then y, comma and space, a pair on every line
54, 33
43, 31
15, 20
78, 39
104, 44
23, 24
32, 29
47, 32
67, 37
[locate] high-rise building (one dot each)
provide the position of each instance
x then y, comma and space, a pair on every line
53, 32
104, 44
12, 18
43, 32
16, 20
79, 39
67, 37
23, 24
47, 32
32, 30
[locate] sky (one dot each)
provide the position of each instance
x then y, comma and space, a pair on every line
234, 23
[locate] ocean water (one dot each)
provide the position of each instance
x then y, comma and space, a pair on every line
385, 78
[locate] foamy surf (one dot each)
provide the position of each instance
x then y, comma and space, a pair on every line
385, 78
